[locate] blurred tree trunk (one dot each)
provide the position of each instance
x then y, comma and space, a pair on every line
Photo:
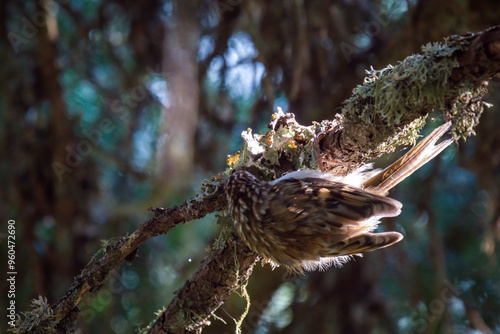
50, 205
179, 118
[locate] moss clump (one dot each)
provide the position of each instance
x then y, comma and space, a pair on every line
408, 136
467, 109
41, 317
419, 84
393, 92
286, 142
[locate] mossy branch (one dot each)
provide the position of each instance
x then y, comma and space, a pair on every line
392, 104
63, 315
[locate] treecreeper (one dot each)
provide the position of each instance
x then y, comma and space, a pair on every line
308, 220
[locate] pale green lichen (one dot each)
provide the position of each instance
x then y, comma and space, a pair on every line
418, 83
397, 91
467, 109
262, 152
189, 321
227, 225
394, 91
408, 136
40, 320
244, 294
144, 330
446, 49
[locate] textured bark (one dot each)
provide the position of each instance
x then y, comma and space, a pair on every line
354, 142
220, 274
117, 250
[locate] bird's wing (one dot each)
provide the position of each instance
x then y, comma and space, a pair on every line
337, 216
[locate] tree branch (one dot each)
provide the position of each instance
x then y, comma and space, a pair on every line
390, 107
116, 250
223, 271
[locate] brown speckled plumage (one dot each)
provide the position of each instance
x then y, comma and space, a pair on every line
310, 220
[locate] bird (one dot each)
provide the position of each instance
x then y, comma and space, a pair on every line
310, 220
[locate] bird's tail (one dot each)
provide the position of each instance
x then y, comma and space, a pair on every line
418, 156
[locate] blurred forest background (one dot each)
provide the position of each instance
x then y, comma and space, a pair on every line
111, 107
